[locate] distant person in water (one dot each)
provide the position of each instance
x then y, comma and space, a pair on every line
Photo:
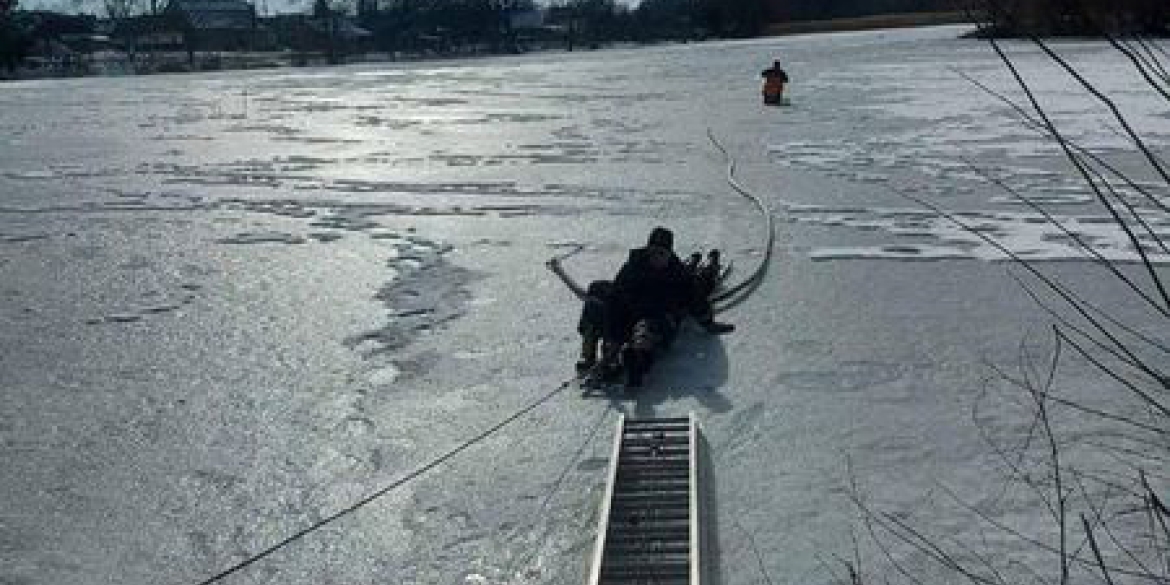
639, 312
775, 78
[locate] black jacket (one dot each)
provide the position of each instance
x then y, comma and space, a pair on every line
642, 291
776, 72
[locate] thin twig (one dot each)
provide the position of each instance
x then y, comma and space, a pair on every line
1130, 385
1137, 140
1073, 302
1039, 544
1103, 523
1039, 395
1096, 550
1070, 155
1033, 123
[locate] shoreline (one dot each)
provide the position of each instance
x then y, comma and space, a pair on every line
860, 23
111, 65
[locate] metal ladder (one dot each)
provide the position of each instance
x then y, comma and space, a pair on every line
648, 531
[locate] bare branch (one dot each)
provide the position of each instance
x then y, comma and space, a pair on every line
1075, 303
1103, 523
1150, 400
1031, 122
1164, 308
1039, 395
1096, 550
1039, 544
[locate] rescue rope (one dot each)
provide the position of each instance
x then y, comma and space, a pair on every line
738, 293
733, 296
255, 557
515, 569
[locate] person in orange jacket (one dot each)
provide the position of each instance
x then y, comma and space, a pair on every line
774, 80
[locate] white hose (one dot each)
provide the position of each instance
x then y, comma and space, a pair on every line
738, 293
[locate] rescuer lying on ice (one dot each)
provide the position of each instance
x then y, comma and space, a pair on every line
639, 313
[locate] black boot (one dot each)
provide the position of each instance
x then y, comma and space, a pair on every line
635, 363
588, 354
716, 328
608, 369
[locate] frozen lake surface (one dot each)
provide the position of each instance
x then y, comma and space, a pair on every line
235, 303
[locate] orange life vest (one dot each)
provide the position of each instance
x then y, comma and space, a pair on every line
773, 85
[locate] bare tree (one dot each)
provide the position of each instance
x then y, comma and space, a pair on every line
1098, 468
13, 40
118, 10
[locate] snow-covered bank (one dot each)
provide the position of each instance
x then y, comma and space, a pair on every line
237, 302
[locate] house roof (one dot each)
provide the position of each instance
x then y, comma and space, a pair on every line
139, 25
215, 14
342, 27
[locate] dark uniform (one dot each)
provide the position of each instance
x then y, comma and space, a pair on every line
641, 310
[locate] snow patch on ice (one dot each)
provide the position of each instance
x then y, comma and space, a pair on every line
1030, 236
385, 375
923, 253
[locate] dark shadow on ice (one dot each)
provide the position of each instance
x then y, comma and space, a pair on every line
695, 366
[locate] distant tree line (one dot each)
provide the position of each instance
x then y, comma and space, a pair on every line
578, 23
797, 10
476, 26
439, 25
14, 41
1074, 17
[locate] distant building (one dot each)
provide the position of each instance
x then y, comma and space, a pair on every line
54, 44
329, 33
215, 25
149, 32
525, 19
57, 42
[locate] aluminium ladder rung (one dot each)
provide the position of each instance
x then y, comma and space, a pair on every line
673, 569
655, 547
635, 500
634, 422
657, 519
637, 461
659, 431
663, 478
656, 427
648, 531
652, 533
652, 471
676, 565
656, 449
652, 487
644, 441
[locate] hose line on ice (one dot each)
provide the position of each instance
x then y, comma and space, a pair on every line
726, 298
736, 294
